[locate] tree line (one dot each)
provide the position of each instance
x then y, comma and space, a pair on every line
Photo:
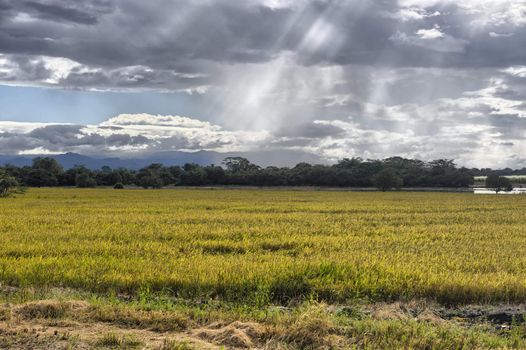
386, 174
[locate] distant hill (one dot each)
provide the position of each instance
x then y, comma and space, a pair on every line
262, 158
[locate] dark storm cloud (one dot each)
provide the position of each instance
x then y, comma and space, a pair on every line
141, 33
310, 131
56, 12
509, 126
61, 138
25, 68
165, 34
124, 140
132, 77
43, 70
56, 133
182, 44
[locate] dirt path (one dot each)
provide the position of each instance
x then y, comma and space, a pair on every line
64, 334
54, 324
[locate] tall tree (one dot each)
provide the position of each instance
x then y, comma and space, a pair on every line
84, 180
387, 179
48, 164
45, 172
498, 183
239, 165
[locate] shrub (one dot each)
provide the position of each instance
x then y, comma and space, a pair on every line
8, 185
118, 186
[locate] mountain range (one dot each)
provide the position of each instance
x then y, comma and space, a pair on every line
262, 158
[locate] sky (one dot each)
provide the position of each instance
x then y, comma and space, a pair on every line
422, 79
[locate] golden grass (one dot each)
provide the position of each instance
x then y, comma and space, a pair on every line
264, 247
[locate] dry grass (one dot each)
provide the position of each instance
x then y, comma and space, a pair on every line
234, 335
308, 326
118, 341
161, 321
48, 309
267, 246
312, 328
170, 344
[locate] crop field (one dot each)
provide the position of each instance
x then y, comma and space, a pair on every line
251, 251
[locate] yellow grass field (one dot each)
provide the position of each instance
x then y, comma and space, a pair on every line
267, 246
258, 250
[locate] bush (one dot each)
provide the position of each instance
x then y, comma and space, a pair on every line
118, 186
8, 185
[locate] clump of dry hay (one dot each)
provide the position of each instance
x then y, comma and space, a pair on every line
236, 334
48, 309
414, 310
393, 311
160, 321
430, 317
5, 313
312, 329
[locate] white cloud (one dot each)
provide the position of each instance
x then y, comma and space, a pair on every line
37, 151
46, 71
490, 97
144, 119
413, 14
483, 12
517, 71
497, 13
280, 4
431, 39
500, 35
59, 68
20, 127
433, 33
127, 133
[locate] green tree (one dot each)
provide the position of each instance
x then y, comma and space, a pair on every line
154, 176
386, 179
239, 165
127, 176
84, 180
48, 164
347, 163
193, 175
150, 180
498, 183
69, 177
41, 178
106, 176
45, 172
8, 184
214, 174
